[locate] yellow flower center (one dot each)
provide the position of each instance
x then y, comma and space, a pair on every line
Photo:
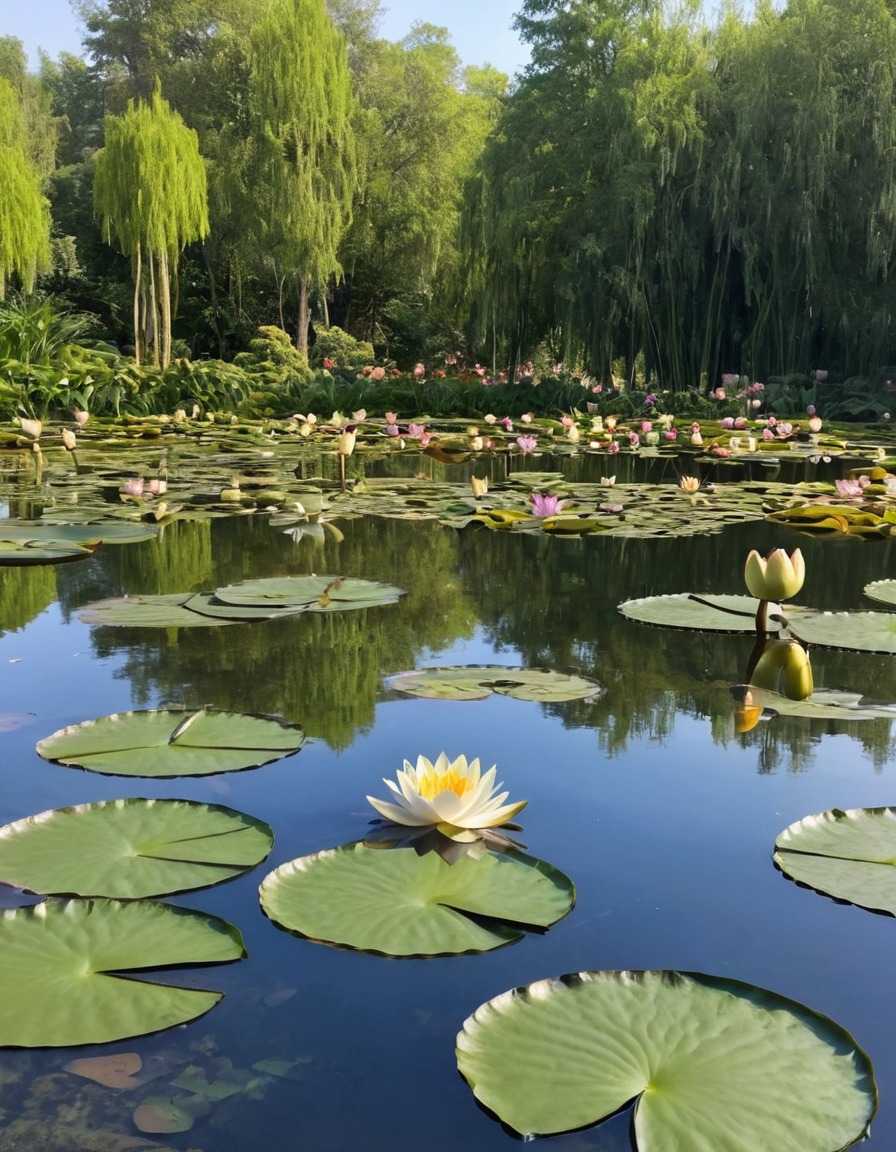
432, 783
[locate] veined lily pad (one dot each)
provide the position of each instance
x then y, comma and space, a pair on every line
169, 611
712, 1063
131, 848
87, 535
401, 904
709, 613
311, 593
62, 963
477, 681
882, 590
172, 742
849, 855
823, 704
26, 552
857, 631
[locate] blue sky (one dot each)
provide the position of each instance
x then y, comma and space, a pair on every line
479, 29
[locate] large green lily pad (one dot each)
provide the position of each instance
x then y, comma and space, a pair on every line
850, 855
310, 593
172, 742
403, 904
477, 681
857, 631
166, 611
18, 553
62, 965
882, 590
131, 848
88, 535
701, 613
711, 1063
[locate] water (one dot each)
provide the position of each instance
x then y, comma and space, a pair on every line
663, 818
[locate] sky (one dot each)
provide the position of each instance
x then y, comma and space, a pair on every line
479, 29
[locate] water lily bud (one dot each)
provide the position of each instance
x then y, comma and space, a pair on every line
777, 577
345, 445
815, 424
479, 486
696, 439
784, 667
81, 417
746, 714
32, 428
69, 439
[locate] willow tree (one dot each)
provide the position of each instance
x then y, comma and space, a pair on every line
150, 195
24, 210
304, 177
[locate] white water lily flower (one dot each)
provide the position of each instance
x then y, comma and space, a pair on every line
777, 576
453, 796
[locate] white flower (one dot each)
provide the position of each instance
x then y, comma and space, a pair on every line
452, 796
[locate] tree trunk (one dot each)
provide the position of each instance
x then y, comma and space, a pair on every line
138, 275
304, 316
165, 302
154, 307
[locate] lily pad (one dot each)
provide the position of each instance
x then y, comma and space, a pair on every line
711, 1063
87, 535
477, 681
63, 963
882, 590
172, 742
131, 848
399, 903
850, 855
823, 704
856, 631
310, 593
20, 553
702, 613
168, 611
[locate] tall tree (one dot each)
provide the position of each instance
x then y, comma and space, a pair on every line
305, 172
24, 210
150, 194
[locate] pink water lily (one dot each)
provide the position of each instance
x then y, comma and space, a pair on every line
546, 503
527, 443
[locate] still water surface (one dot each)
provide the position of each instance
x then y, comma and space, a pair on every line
664, 819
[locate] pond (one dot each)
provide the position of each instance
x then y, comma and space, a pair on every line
644, 795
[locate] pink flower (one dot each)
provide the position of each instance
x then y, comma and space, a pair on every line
567, 421
597, 389
671, 434
719, 394
546, 504
378, 373
848, 489
634, 439
767, 434
614, 447
133, 486
740, 422
425, 438
391, 417
718, 450
328, 363
646, 427
416, 431
81, 417
391, 430
527, 443
508, 424
695, 427
727, 422
419, 371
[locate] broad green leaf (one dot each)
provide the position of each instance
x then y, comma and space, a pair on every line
62, 963
19, 553
702, 613
88, 535
849, 855
712, 1064
402, 904
477, 681
857, 631
882, 590
172, 742
130, 848
311, 593
823, 704
168, 611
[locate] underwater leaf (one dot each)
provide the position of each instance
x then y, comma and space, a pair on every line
711, 1063
850, 855
701, 613
310, 593
111, 1071
403, 904
62, 963
131, 848
144, 743
168, 1114
478, 681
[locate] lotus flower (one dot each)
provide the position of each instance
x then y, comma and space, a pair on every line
451, 796
777, 577
546, 504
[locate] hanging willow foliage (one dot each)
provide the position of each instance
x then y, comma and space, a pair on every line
304, 178
150, 195
24, 210
716, 200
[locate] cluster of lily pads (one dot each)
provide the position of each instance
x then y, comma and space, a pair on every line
438, 875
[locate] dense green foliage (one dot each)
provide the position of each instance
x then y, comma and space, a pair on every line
653, 200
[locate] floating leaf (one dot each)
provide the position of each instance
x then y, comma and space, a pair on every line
62, 963
477, 681
172, 742
168, 611
87, 535
709, 613
882, 590
712, 1063
849, 855
310, 593
823, 704
857, 631
131, 848
26, 552
402, 904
